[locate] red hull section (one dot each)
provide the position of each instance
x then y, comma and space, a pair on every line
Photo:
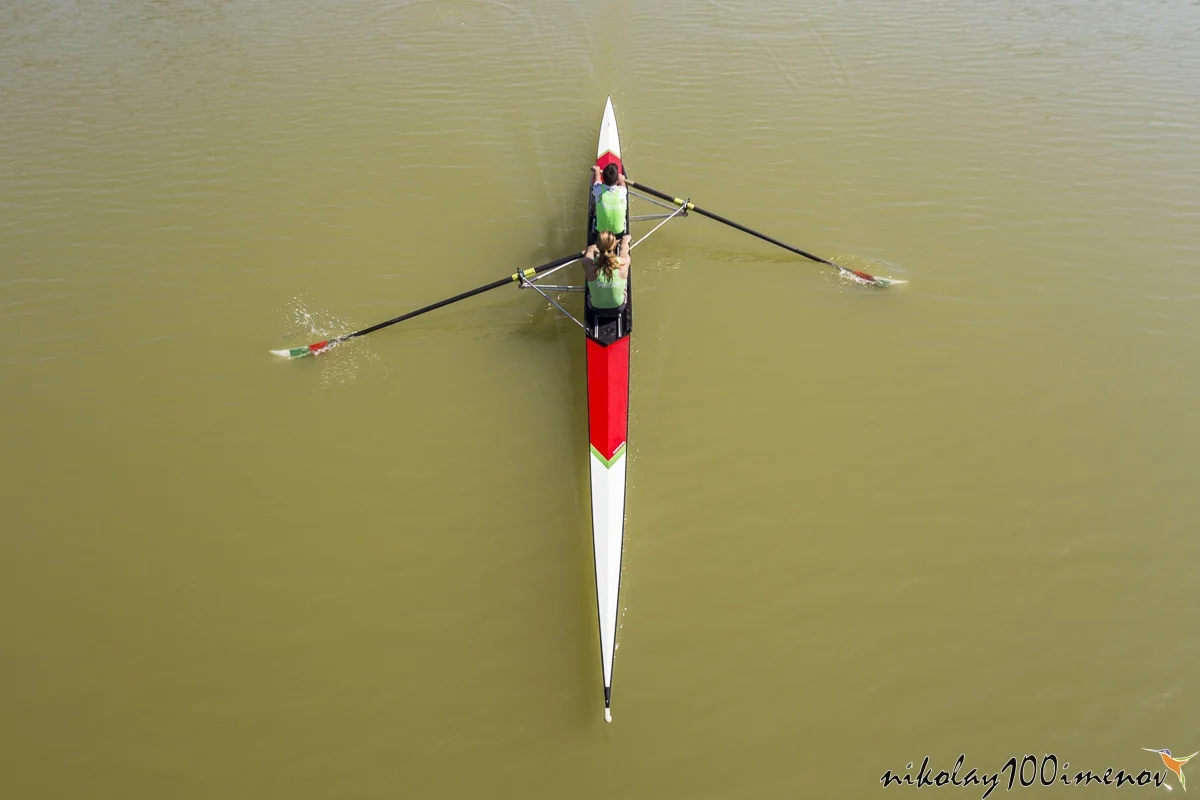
608, 395
608, 158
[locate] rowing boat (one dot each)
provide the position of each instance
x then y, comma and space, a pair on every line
607, 343
606, 336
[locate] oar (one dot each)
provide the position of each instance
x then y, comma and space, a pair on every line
320, 347
862, 276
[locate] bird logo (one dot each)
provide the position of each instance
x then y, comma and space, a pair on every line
1174, 764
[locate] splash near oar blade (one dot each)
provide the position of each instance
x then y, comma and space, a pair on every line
862, 277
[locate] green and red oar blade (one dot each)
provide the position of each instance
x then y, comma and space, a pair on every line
301, 352
873, 280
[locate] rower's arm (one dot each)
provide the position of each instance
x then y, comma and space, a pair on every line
596, 176
589, 263
624, 253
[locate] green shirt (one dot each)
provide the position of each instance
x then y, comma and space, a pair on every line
611, 202
605, 292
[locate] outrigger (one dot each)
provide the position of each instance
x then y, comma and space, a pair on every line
607, 335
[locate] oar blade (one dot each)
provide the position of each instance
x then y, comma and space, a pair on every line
876, 280
869, 279
302, 352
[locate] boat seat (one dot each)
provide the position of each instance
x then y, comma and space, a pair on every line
603, 315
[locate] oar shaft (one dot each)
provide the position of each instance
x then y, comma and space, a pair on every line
723, 220
515, 277
320, 347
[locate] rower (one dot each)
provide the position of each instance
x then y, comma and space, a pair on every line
606, 267
612, 199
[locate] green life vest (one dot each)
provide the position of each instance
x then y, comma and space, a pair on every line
610, 210
605, 292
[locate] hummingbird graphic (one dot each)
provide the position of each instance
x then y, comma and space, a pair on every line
1174, 764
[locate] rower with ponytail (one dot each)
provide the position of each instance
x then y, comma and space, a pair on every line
606, 267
